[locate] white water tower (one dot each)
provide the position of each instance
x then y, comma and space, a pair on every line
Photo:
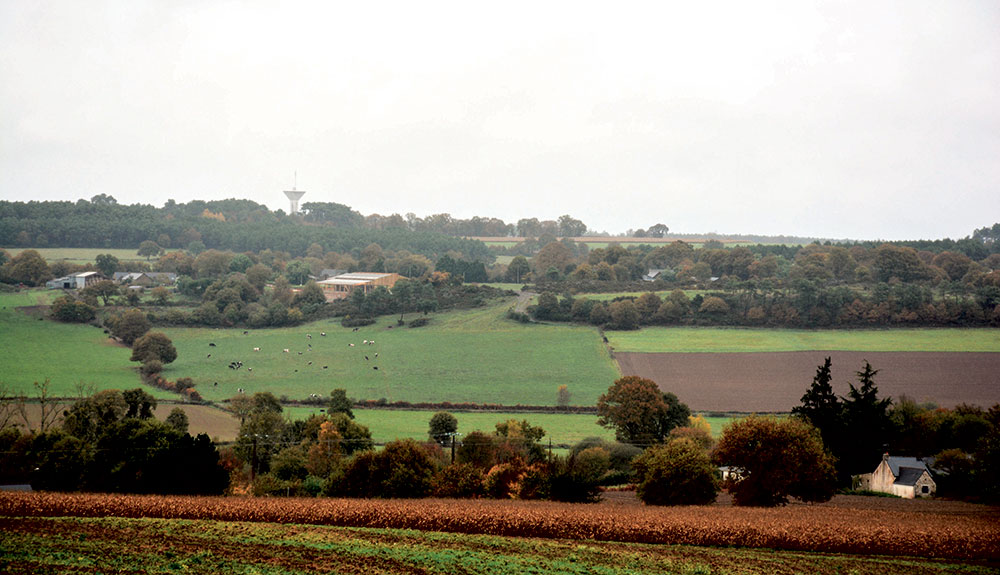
294, 196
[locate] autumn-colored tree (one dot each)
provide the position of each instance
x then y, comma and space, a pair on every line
563, 396
772, 459
677, 473
639, 412
27, 267
552, 255
70, 310
153, 345
148, 249
107, 264
161, 295
324, 454
624, 315
104, 289
130, 326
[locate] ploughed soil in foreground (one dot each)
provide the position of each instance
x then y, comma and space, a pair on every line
82, 533
775, 381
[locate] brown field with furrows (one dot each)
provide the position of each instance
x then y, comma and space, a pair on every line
775, 381
217, 423
855, 525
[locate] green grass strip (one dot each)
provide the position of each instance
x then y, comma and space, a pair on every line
737, 340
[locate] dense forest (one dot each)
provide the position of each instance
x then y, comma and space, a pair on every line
235, 225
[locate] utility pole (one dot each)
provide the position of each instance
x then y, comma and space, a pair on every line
253, 459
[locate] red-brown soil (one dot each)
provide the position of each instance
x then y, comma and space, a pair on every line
856, 525
775, 382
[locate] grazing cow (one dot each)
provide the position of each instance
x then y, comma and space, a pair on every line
365, 341
350, 345
374, 367
300, 353
366, 358
211, 345
322, 334
308, 336
245, 332
310, 363
355, 329
324, 367
284, 350
249, 369
256, 349
209, 355
216, 384
376, 354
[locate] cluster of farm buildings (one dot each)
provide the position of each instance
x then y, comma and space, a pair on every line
336, 284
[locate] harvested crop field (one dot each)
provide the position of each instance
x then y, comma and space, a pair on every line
857, 526
116, 545
775, 382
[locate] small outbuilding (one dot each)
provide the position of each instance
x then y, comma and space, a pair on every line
907, 477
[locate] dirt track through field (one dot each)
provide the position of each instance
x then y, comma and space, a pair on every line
763, 382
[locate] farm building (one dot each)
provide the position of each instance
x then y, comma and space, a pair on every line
75, 281
328, 273
907, 477
145, 279
341, 286
652, 274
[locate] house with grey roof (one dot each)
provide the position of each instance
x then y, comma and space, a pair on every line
907, 477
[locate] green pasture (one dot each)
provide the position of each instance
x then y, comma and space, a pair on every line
504, 260
737, 340
66, 354
462, 356
80, 255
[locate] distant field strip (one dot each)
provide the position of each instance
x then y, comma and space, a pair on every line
80, 255
734, 340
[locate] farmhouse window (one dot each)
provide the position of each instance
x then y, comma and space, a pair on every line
925, 489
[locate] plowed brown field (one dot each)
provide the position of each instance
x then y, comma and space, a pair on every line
769, 382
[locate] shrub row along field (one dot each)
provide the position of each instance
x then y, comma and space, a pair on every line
472, 356
115, 545
66, 354
862, 526
736, 340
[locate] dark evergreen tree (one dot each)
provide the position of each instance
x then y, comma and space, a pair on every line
868, 426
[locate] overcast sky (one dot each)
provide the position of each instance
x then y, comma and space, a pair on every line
861, 120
